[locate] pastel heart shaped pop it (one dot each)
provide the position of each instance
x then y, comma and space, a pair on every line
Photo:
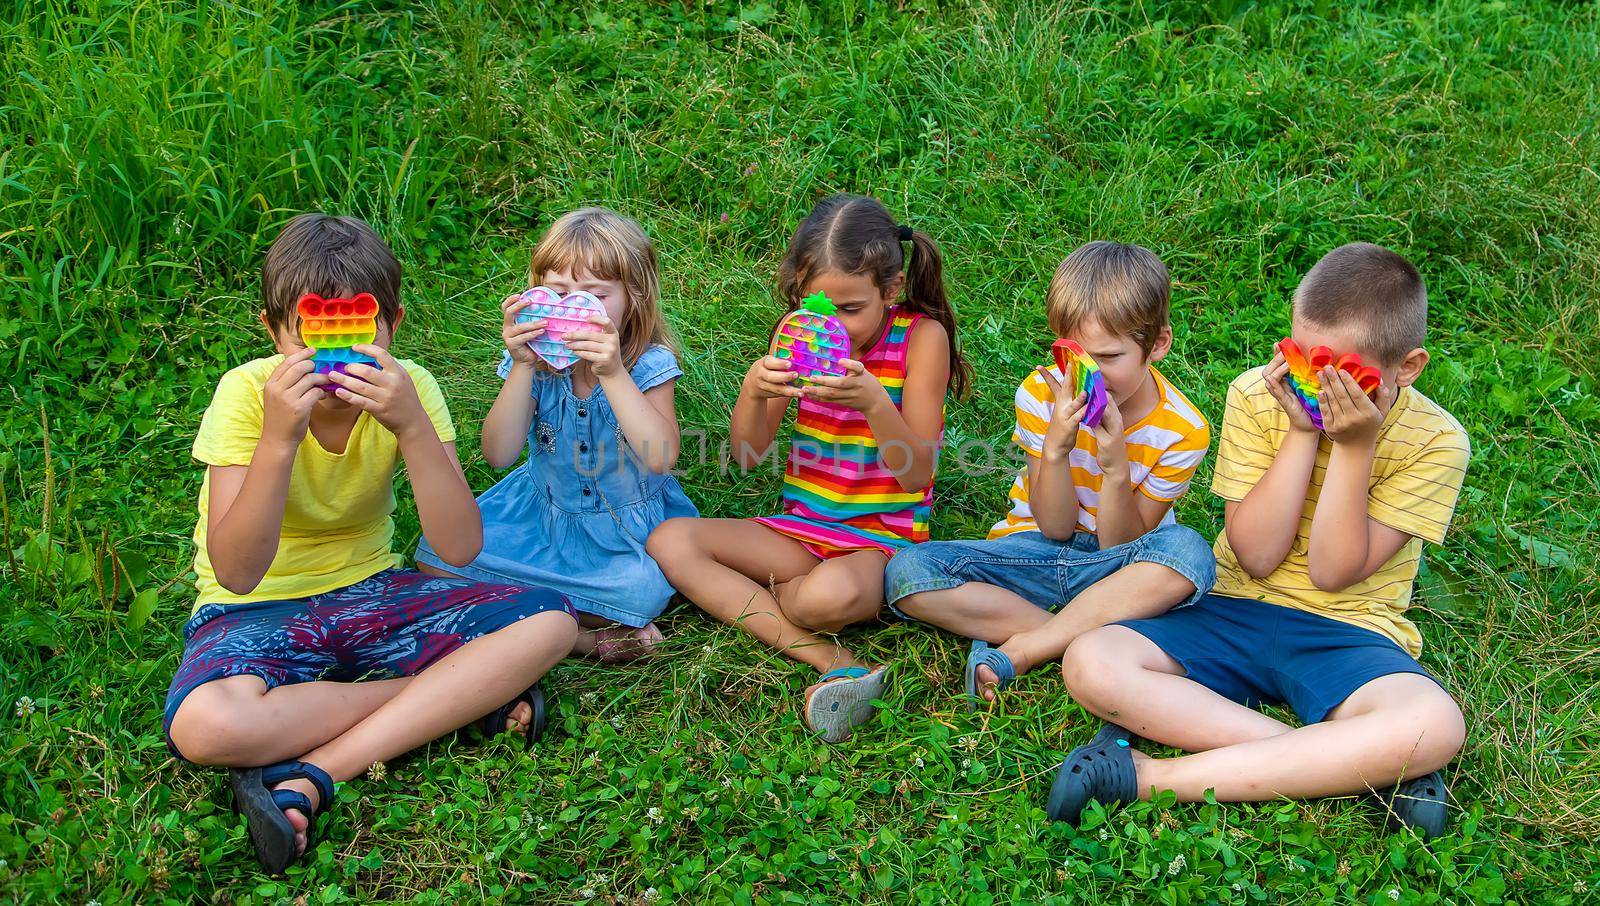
562, 315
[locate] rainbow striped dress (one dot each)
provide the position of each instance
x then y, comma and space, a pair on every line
838, 496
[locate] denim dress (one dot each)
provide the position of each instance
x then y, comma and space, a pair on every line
575, 515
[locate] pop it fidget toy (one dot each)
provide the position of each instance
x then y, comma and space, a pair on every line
812, 339
1084, 376
329, 327
562, 315
1305, 374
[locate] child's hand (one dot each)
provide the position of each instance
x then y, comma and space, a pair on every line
855, 389
518, 336
1065, 415
601, 347
388, 393
769, 378
291, 392
1111, 444
1348, 416
1277, 378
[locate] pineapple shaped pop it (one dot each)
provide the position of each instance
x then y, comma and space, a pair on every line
1305, 371
812, 339
1083, 376
562, 315
329, 327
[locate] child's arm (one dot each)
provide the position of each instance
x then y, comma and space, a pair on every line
1347, 544
757, 414
1052, 492
245, 509
1261, 528
505, 428
648, 418
445, 506
908, 437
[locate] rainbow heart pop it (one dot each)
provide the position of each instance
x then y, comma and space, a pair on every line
1084, 376
562, 315
812, 339
329, 327
1304, 373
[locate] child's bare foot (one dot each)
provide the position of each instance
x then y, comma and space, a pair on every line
989, 682
620, 644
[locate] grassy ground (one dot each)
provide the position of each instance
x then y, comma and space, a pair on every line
152, 148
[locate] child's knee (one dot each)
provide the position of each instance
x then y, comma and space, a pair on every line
217, 723
672, 541
829, 603
1440, 730
1089, 667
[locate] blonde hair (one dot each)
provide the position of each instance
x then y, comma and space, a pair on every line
610, 246
1123, 287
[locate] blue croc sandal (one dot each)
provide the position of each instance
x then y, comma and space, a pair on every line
982, 655
842, 700
1421, 804
495, 722
1098, 771
270, 831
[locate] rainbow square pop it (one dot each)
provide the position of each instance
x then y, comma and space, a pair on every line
562, 315
1083, 376
1304, 374
812, 339
329, 327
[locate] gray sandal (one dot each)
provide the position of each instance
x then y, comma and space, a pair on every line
842, 700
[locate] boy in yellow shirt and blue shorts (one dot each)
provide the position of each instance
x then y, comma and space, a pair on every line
1323, 537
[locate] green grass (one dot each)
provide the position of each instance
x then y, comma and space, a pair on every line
152, 148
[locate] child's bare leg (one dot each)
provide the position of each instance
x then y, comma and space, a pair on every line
727, 566
436, 571
834, 594
976, 610
236, 722
1123, 677
1396, 726
1134, 592
461, 687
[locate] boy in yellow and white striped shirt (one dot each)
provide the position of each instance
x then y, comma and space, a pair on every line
1090, 522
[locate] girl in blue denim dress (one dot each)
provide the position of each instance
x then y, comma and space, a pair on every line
601, 435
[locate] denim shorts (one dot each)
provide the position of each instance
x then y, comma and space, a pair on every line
1047, 573
1258, 653
396, 623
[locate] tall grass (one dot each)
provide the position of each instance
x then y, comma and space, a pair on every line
152, 148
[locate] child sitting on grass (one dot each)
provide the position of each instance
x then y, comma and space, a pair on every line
311, 654
1315, 567
1090, 537
859, 483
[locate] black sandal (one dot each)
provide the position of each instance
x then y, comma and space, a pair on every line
270, 831
1421, 804
1098, 771
495, 722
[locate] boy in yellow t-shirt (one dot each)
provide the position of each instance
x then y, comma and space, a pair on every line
310, 651
1090, 537
1323, 537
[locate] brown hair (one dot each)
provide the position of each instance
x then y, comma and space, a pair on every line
855, 234
332, 257
1373, 289
609, 246
1123, 287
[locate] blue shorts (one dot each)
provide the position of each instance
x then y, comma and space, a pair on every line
1256, 653
396, 623
1047, 573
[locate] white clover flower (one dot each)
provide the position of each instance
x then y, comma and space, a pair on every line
727, 783
966, 764
616, 722
1237, 887
919, 761
4, 865
1394, 893
1177, 864
587, 893
651, 895
92, 903
1578, 886
1104, 834
654, 815
25, 706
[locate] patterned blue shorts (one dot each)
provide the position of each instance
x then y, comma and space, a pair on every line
396, 623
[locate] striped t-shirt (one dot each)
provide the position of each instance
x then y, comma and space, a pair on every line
838, 493
1417, 468
1164, 450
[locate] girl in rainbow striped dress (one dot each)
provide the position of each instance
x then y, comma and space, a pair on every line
859, 482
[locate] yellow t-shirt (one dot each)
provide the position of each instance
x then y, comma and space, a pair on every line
1417, 469
337, 517
1164, 450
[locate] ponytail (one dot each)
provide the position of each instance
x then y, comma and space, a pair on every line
925, 294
